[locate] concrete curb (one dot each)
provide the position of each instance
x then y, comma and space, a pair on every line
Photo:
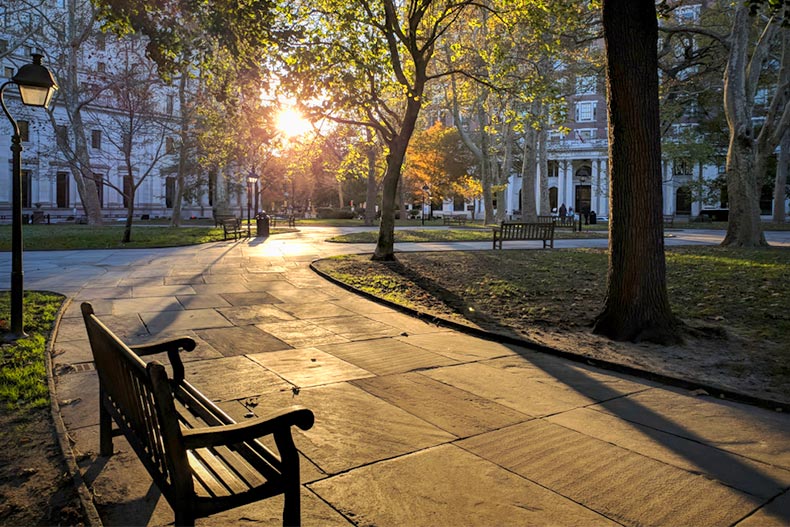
677, 382
86, 499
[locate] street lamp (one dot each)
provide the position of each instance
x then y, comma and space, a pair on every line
425, 190
36, 87
251, 180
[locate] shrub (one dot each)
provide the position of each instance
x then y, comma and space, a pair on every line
330, 213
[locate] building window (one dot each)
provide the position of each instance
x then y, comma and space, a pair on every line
3, 45
62, 190
585, 111
169, 105
688, 13
681, 167
585, 84
170, 145
96, 139
26, 189
8, 72
24, 130
101, 41
170, 191
459, 204
61, 134
101, 67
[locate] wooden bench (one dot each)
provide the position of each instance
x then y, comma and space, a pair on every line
669, 220
202, 460
231, 226
560, 222
524, 231
454, 219
291, 219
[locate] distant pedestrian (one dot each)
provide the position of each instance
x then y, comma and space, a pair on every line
563, 211
570, 212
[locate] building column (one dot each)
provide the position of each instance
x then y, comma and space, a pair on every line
667, 189
595, 185
570, 191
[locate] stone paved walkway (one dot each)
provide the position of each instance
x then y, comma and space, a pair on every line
415, 425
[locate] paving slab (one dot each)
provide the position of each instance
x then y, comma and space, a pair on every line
629, 488
297, 296
756, 478
309, 367
446, 486
222, 288
774, 514
91, 293
459, 347
242, 340
752, 432
127, 306
385, 356
459, 412
71, 352
249, 298
202, 301
353, 428
101, 306
317, 310
255, 314
405, 324
301, 333
233, 378
527, 390
356, 327
160, 321
78, 397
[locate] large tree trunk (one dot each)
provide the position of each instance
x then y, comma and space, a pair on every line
543, 171
780, 185
636, 306
744, 228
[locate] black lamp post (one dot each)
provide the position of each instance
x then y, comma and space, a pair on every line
425, 190
36, 87
251, 180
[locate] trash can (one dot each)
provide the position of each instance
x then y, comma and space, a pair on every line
593, 218
262, 224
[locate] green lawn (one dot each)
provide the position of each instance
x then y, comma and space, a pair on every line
450, 235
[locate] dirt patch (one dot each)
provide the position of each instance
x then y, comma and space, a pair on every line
36, 486
552, 297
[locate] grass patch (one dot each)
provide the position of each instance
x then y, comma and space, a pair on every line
72, 237
23, 377
448, 235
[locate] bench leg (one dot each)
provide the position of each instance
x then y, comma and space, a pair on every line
292, 508
184, 518
105, 428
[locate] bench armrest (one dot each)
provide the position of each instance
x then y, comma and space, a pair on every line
172, 347
185, 343
254, 428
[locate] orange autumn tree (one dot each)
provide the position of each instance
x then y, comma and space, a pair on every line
436, 157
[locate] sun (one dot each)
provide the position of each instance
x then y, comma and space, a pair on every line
291, 122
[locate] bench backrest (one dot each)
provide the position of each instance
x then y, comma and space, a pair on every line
139, 398
526, 231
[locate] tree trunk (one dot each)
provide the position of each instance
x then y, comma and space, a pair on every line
529, 172
744, 228
127, 228
372, 185
636, 306
543, 171
385, 246
183, 150
780, 185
